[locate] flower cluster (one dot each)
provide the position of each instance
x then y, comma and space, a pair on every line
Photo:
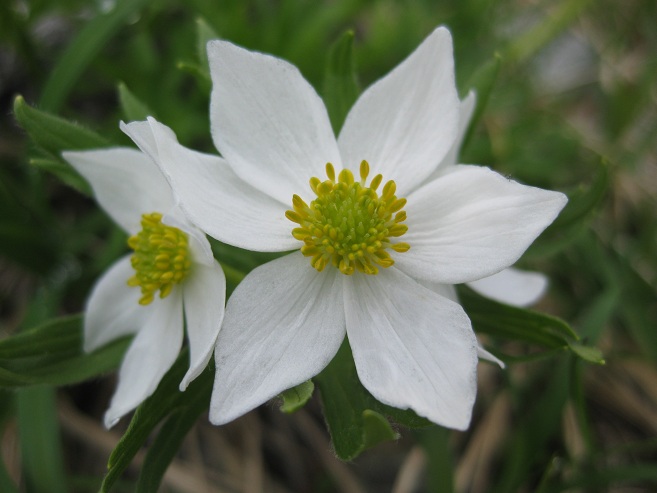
377, 245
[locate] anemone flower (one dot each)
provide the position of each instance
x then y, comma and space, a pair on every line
171, 271
378, 230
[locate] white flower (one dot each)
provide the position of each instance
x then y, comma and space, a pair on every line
171, 257
413, 347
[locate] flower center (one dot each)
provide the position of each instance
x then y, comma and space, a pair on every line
161, 257
349, 225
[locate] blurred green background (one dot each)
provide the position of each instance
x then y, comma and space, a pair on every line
572, 107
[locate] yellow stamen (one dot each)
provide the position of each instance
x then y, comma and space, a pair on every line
349, 225
161, 258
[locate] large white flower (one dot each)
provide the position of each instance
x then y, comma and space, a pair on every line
171, 256
413, 347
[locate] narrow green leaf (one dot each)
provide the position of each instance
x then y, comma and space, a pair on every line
584, 200
537, 422
165, 400
508, 322
167, 443
587, 353
440, 470
65, 172
201, 75
40, 441
86, 46
52, 133
133, 109
482, 82
340, 81
51, 354
297, 397
55, 336
527, 44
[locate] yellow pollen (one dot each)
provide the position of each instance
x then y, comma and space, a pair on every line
161, 258
349, 225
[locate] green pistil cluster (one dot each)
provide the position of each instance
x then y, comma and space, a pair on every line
349, 225
161, 257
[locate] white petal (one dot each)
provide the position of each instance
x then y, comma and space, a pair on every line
204, 296
472, 223
267, 121
198, 243
512, 286
113, 309
283, 324
412, 348
485, 355
126, 183
405, 123
212, 196
449, 291
149, 357
466, 109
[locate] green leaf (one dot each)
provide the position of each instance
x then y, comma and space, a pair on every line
55, 336
435, 442
40, 441
538, 420
352, 421
133, 109
297, 397
65, 172
52, 133
340, 81
86, 46
509, 322
573, 219
165, 400
482, 82
527, 44
587, 353
52, 354
167, 443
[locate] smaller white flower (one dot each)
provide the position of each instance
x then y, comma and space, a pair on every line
171, 271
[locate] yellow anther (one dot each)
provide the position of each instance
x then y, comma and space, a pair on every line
161, 258
364, 171
330, 171
349, 225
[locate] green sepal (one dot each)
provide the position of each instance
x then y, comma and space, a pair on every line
133, 109
295, 398
341, 88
